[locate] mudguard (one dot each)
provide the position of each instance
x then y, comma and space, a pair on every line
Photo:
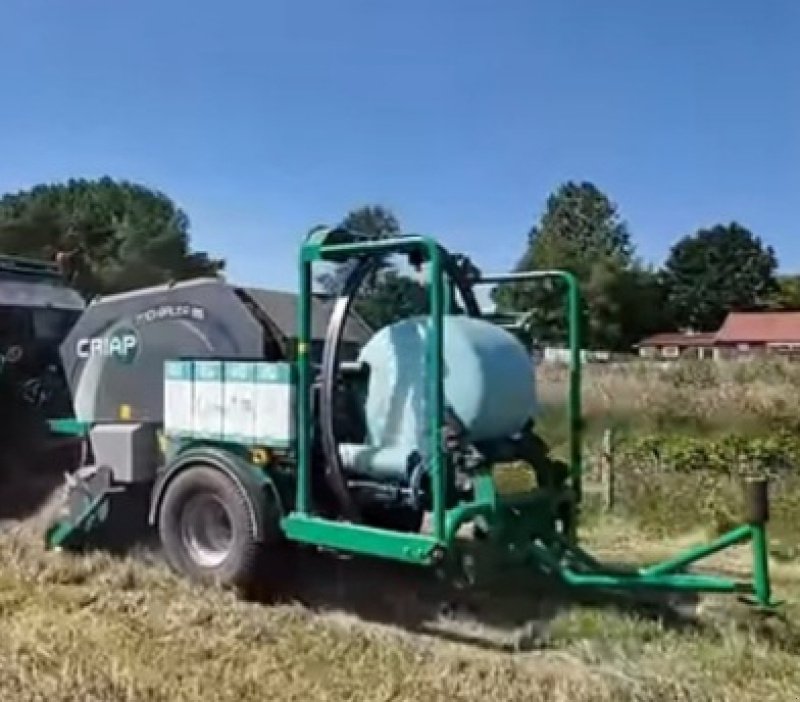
257, 485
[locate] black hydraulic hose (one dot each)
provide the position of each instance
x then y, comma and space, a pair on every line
334, 472
460, 279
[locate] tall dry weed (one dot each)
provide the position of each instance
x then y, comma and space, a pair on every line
701, 396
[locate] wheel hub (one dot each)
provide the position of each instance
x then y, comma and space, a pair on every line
206, 530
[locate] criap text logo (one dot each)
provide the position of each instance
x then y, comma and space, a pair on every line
122, 345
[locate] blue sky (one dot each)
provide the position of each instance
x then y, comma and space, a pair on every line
262, 119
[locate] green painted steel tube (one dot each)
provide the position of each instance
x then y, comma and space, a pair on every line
403, 244
435, 377
677, 582
60, 533
303, 416
69, 427
460, 515
433, 359
731, 538
574, 332
417, 549
761, 580
686, 583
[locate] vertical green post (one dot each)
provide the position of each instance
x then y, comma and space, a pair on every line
575, 419
303, 414
761, 583
434, 362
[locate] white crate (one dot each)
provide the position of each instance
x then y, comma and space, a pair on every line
239, 420
207, 410
178, 398
275, 397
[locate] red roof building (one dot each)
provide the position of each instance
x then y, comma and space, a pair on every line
760, 329
670, 345
741, 334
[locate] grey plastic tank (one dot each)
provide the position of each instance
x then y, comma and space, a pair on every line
488, 381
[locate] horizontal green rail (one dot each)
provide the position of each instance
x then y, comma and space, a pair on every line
417, 549
666, 575
70, 427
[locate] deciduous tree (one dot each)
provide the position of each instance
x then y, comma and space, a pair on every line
387, 295
581, 231
716, 270
114, 235
787, 293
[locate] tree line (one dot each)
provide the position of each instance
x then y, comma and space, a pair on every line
706, 274
112, 236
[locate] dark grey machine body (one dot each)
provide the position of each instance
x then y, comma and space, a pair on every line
113, 357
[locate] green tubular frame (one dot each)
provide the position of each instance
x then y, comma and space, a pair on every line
668, 574
69, 427
302, 524
586, 572
514, 522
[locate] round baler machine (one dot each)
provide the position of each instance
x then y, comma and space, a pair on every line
433, 417
37, 308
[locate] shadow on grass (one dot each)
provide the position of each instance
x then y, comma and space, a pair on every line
517, 611
513, 613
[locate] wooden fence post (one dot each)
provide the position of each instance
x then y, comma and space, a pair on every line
607, 470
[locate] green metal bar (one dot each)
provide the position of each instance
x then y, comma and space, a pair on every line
416, 549
59, 534
69, 426
463, 513
731, 538
402, 244
761, 579
434, 363
692, 583
303, 416
433, 359
574, 332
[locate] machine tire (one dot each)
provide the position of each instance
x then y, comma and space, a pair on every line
237, 566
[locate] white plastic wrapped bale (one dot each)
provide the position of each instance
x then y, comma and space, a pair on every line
488, 381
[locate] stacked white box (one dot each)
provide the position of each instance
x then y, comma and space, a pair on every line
274, 404
178, 398
208, 399
239, 421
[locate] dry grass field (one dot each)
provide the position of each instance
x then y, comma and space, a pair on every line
100, 628
694, 397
